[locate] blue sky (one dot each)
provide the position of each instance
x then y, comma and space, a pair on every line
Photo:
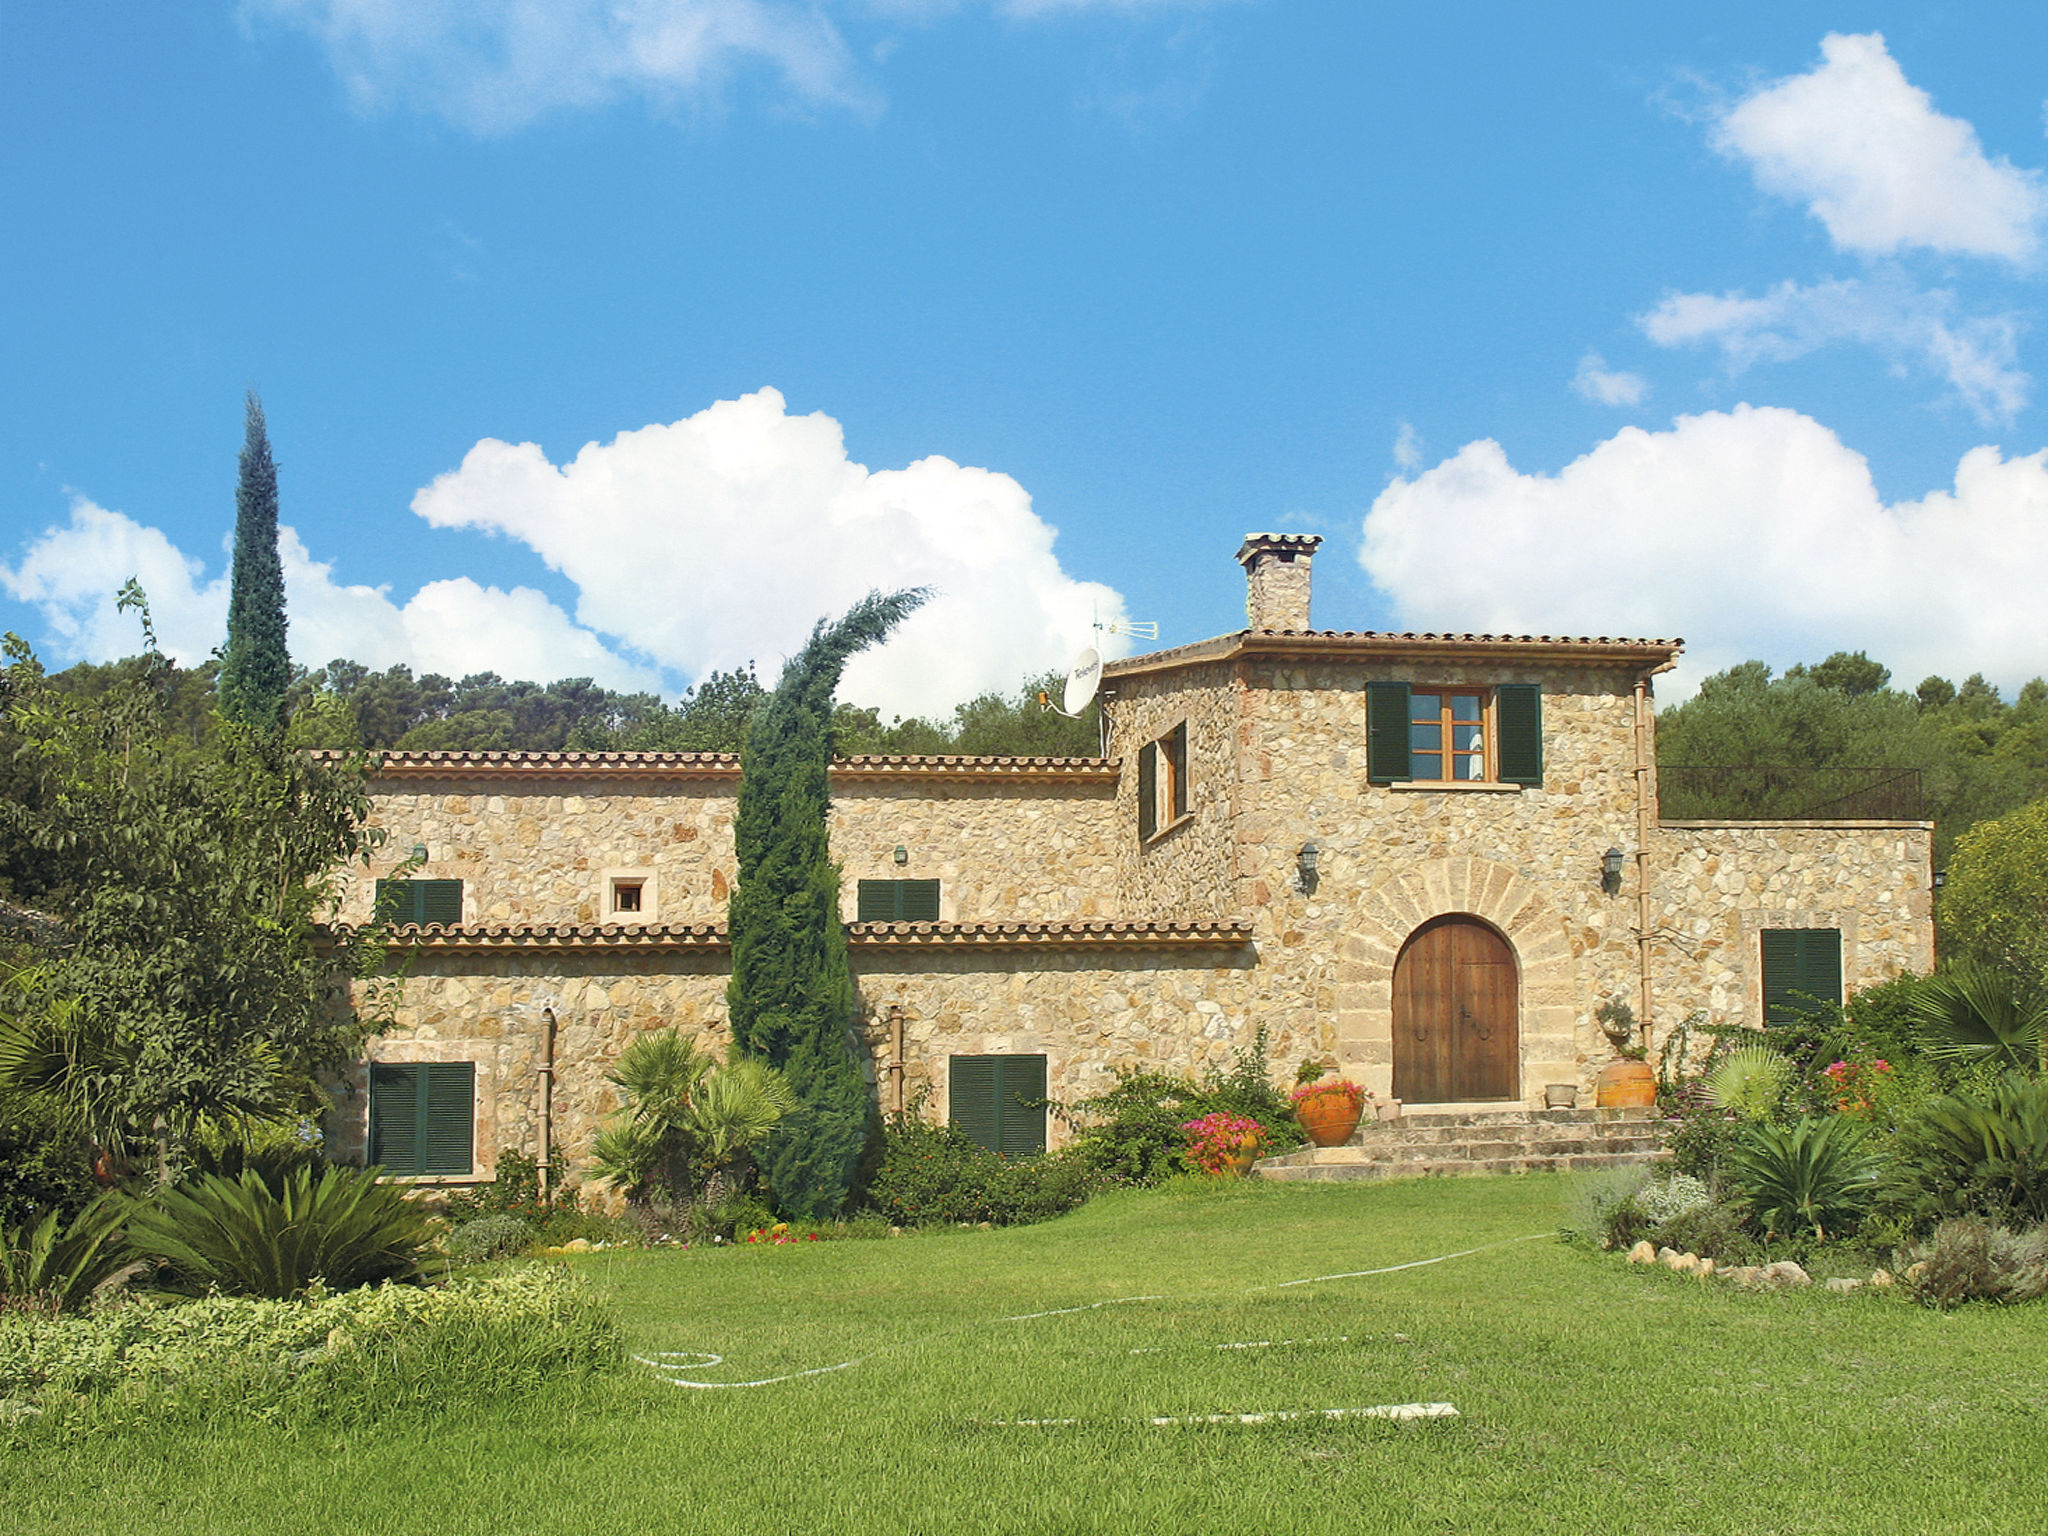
627, 339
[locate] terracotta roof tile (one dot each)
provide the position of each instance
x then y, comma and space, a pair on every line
1084, 933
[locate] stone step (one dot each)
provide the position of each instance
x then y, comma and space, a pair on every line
1454, 1167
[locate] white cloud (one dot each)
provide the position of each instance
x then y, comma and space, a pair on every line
1977, 355
1597, 383
1866, 152
1408, 448
1754, 532
494, 65
72, 572
721, 538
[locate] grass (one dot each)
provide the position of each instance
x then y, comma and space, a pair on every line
1593, 1396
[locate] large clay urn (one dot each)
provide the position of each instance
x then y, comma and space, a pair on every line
1328, 1119
1625, 1084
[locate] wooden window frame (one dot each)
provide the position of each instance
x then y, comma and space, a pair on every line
1164, 800
1489, 749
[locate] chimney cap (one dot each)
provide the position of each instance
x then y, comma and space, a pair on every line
1285, 545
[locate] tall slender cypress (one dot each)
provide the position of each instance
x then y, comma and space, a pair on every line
791, 995
255, 668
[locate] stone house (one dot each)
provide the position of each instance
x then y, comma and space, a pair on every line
1425, 857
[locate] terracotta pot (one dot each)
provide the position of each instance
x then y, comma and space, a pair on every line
1625, 1085
1240, 1163
1328, 1119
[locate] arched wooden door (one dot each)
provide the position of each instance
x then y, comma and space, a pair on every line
1455, 1015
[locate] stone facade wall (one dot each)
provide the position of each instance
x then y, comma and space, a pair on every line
532, 853
1090, 1013
1716, 887
1187, 868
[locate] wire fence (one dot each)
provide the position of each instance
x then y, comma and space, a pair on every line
1772, 793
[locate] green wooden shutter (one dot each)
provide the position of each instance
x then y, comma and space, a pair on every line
1518, 724
394, 1118
1020, 1102
1800, 964
1386, 732
448, 1117
1148, 790
998, 1102
1177, 752
423, 1117
971, 1099
420, 901
897, 901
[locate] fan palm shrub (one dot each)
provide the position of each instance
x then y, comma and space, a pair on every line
1816, 1177
341, 1230
56, 1266
1972, 1012
689, 1127
1750, 1082
1981, 1152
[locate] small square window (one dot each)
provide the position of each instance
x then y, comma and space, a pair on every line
626, 895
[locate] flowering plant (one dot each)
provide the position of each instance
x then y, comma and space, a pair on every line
779, 1233
1215, 1140
1854, 1083
1337, 1088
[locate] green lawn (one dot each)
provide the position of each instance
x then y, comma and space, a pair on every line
1593, 1397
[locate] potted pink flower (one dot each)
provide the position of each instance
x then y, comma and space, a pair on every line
1223, 1143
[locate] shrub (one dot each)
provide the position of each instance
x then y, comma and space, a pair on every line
932, 1174
1594, 1201
1974, 1153
55, 1265
235, 1236
1750, 1084
489, 1237
1700, 1141
1718, 1230
354, 1355
1810, 1177
1975, 1012
1970, 1259
1674, 1195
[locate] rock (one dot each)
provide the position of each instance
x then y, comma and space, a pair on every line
1666, 1256
1705, 1269
1844, 1284
1681, 1263
1784, 1273
1915, 1273
1741, 1274
895, 1231
1881, 1280
1642, 1253
577, 1245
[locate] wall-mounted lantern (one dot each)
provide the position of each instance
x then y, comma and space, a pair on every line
901, 855
419, 852
1610, 870
1305, 867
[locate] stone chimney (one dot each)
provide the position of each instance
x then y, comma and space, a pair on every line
1276, 578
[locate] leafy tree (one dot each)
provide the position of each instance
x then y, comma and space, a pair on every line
1994, 906
990, 725
791, 995
196, 989
255, 668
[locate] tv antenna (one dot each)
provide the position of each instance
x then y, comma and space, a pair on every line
1083, 678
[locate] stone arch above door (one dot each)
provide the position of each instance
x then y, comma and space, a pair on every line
1393, 908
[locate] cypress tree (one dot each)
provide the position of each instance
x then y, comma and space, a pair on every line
791, 995
255, 668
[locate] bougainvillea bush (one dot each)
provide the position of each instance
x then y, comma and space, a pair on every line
1216, 1140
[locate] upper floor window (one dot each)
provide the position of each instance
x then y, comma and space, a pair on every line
897, 901
420, 902
1419, 734
1163, 782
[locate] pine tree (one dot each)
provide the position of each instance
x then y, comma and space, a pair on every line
255, 668
791, 996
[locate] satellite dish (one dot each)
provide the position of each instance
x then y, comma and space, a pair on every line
1083, 678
